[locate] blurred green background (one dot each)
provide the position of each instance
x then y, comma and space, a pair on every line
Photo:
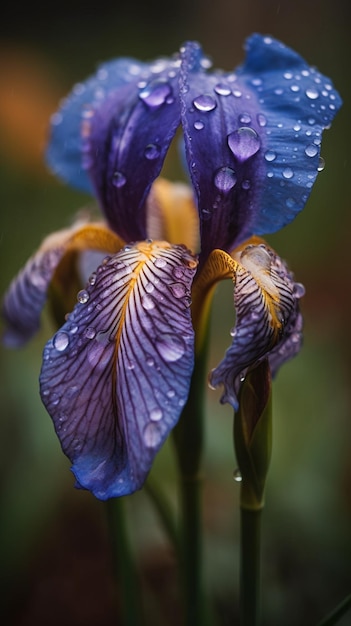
55, 563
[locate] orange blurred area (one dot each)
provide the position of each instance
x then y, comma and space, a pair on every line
28, 97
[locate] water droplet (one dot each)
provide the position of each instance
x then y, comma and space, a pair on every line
56, 119
152, 435
246, 184
299, 290
170, 393
295, 88
225, 179
73, 329
237, 93
156, 93
288, 172
150, 361
92, 279
237, 476
245, 118
321, 164
244, 143
312, 93
149, 287
118, 179
270, 156
178, 272
311, 150
170, 347
178, 290
160, 262
148, 302
204, 103
297, 127
61, 341
261, 119
55, 398
90, 332
83, 296
156, 415
222, 89
198, 125
152, 151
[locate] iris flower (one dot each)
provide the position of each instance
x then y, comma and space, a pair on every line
117, 374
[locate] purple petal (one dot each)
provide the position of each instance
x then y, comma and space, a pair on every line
268, 322
130, 133
253, 139
116, 376
27, 294
69, 125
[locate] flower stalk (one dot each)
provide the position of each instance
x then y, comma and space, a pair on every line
253, 443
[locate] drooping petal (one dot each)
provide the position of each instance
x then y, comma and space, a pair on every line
253, 139
27, 294
268, 322
117, 374
66, 150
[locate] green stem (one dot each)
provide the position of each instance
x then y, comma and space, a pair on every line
337, 613
188, 438
123, 563
164, 512
250, 567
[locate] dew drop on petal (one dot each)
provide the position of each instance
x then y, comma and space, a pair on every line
299, 290
198, 125
156, 93
261, 119
312, 93
118, 179
222, 89
148, 302
90, 332
152, 435
225, 179
244, 143
178, 290
83, 296
61, 341
160, 262
170, 347
152, 151
321, 164
156, 415
204, 103
311, 150
288, 172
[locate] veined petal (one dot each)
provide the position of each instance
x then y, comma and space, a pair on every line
27, 293
66, 154
268, 322
117, 374
253, 139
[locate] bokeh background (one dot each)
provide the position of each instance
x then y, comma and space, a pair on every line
55, 557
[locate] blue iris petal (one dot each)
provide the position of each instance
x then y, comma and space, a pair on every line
253, 139
65, 153
295, 104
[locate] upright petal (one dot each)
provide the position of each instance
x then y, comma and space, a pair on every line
116, 376
127, 140
268, 322
66, 150
253, 139
27, 294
